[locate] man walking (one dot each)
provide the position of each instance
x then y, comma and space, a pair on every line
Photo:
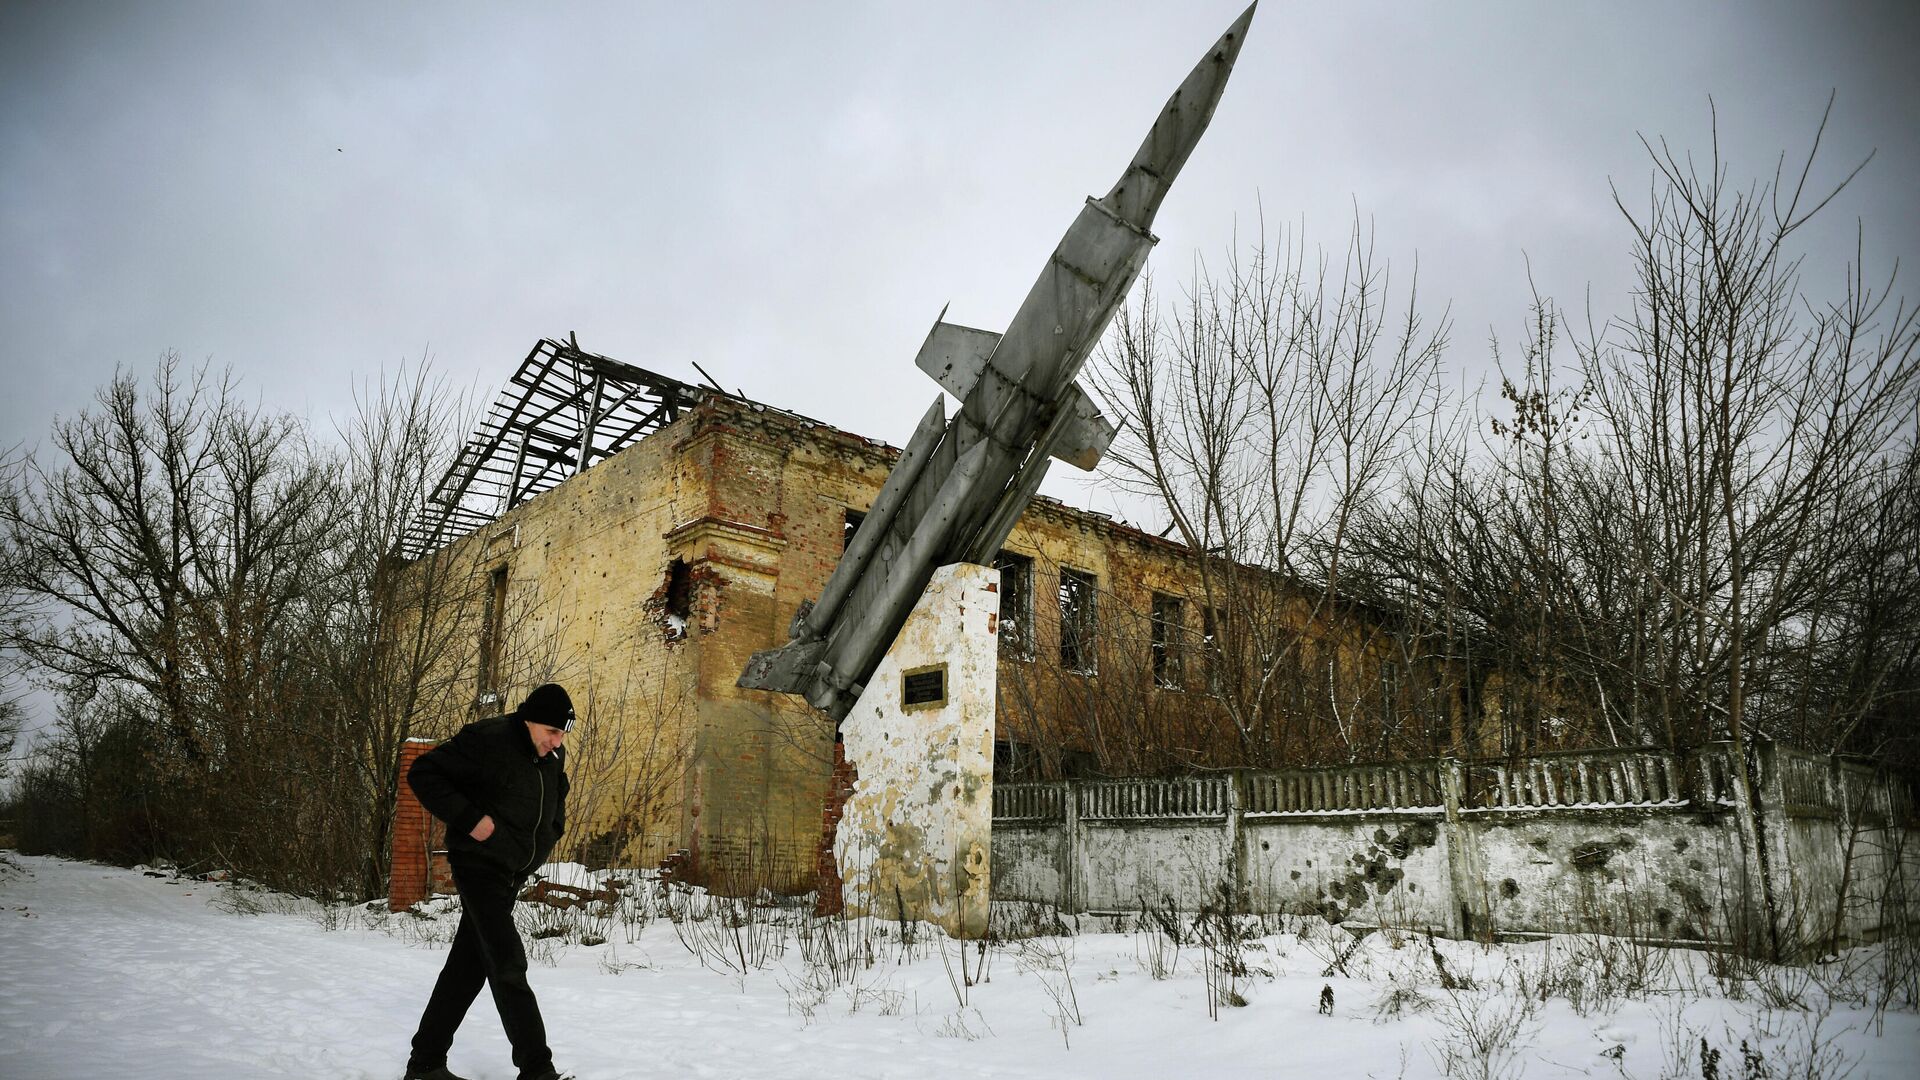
501, 787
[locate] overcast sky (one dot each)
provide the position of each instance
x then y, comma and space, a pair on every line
788, 193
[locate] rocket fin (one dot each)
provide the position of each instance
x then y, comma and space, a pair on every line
955, 355
1087, 434
784, 670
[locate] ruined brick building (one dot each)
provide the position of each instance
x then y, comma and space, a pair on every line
638, 539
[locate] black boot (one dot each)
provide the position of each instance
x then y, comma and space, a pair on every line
438, 1072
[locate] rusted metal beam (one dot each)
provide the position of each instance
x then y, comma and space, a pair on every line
548, 422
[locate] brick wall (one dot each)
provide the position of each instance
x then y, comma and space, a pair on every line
419, 867
828, 899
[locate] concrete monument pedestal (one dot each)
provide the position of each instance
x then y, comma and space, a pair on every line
915, 836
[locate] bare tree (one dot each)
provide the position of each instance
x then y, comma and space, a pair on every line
629, 765
1262, 413
12, 463
169, 547
1706, 529
393, 647
10, 723
206, 582
1500, 553
1751, 424
1745, 417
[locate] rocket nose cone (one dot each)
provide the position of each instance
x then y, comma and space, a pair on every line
1237, 33
1177, 130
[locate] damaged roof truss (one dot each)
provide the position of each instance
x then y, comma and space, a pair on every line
561, 412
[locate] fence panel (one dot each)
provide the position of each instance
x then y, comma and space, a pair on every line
1029, 802
1406, 785
1180, 798
1806, 783
1711, 774
1586, 779
1862, 793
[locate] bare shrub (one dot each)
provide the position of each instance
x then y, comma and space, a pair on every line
1335, 947
963, 974
1484, 1034
1158, 936
1015, 920
967, 1025
1679, 1042
734, 935
1400, 1000
1790, 1046
1050, 959
1223, 938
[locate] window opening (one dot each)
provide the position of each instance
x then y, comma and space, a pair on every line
1213, 649
1016, 604
490, 634
678, 609
1079, 621
1168, 660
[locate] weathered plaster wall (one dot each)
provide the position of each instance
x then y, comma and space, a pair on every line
1027, 858
1128, 864
1632, 843
1658, 873
1387, 869
1846, 856
915, 835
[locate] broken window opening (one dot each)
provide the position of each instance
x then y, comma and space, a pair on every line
1213, 653
850, 526
1169, 666
1015, 761
1079, 622
1016, 604
492, 618
679, 606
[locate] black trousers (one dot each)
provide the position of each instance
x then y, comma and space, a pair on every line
486, 949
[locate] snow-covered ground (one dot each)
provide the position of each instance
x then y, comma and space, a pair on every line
131, 973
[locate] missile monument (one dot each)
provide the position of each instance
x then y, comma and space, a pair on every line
947, 507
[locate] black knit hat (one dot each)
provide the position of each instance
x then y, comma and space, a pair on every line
549, 705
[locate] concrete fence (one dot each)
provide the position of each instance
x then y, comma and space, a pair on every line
1639, 842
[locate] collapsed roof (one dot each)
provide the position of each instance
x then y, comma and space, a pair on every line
562, 411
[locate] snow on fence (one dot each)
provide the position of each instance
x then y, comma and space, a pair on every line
1606, 778
1399, 786
1163, 800
1628, 840
1029, 802
1841, 787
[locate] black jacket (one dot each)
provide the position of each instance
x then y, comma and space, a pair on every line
489, 769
